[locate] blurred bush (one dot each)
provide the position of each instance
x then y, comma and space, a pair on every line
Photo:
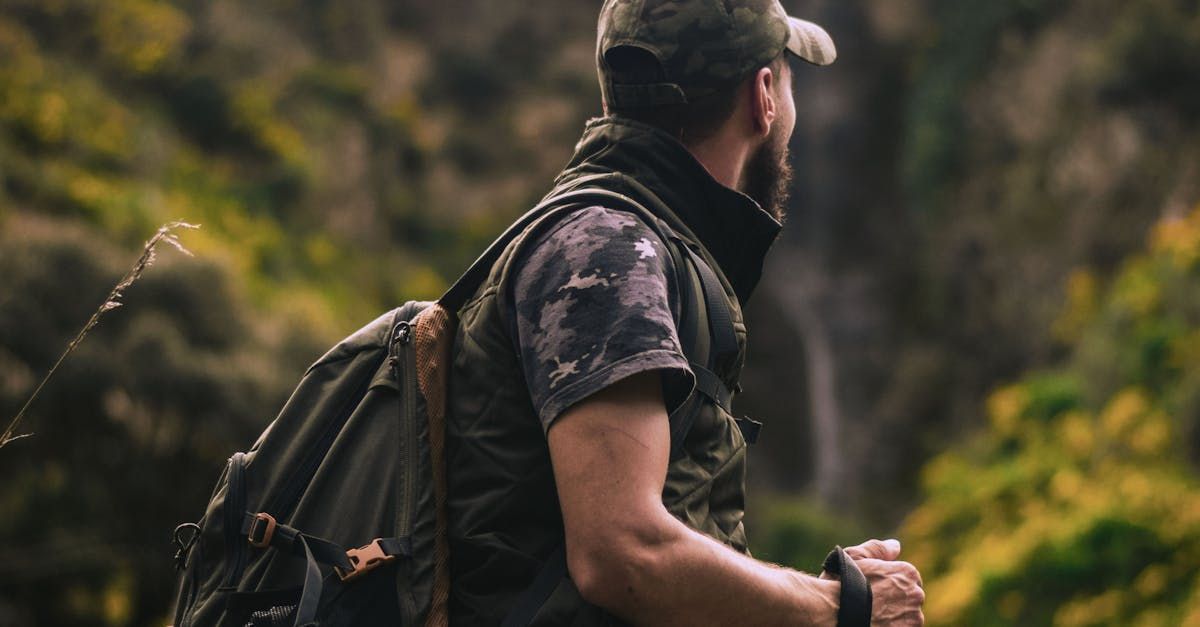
798, 532
133, 419
1080, 504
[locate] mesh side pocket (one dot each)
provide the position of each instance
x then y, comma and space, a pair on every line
277, 616
434, 333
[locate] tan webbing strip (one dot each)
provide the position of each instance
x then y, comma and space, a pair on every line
434, 331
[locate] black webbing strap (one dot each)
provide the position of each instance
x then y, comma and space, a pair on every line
854, 609
694, 331
310, 594
696, 336
291, 541
710, 385
536, 595
720, 319
315, 551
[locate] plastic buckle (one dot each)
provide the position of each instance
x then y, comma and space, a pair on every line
264, 540
364, 559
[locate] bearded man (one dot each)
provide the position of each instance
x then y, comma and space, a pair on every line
596, 475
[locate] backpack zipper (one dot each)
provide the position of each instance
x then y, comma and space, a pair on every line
405, 366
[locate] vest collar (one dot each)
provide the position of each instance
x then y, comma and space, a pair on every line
734, 229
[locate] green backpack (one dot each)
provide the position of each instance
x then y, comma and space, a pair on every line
356, 459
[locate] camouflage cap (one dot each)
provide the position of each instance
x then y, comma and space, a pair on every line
701, 46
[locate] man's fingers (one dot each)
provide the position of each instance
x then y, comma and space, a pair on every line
896, 588
876, 549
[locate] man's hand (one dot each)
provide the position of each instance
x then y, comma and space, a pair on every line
896, 587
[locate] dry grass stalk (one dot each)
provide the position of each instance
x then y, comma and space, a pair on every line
166, 234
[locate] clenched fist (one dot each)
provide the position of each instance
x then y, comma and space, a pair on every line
896, 588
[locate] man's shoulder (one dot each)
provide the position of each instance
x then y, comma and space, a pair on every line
594, 229
598, 225
602, 242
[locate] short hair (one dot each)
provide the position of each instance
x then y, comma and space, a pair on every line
690, 122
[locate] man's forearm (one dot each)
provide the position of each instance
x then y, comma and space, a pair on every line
629, 555
681, 577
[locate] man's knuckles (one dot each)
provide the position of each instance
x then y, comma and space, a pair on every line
897, 586
888, 568
875, 549
909, 571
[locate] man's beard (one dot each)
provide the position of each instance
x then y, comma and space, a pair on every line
767, 176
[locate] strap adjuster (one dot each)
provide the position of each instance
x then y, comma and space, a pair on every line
262, 528
364, 559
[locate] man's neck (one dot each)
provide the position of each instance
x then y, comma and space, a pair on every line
729, 224
723, 157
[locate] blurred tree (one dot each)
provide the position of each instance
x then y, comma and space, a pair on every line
1080, 504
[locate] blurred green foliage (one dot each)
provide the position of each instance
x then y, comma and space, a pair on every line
1080, 504
798, 531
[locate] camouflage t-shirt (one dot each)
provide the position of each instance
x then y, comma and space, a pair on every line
593, 302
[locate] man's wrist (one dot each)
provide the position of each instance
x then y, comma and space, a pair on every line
817, 599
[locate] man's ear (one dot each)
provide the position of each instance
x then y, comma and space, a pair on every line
763, 107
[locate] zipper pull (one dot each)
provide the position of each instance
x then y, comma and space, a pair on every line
403, 333
401, 336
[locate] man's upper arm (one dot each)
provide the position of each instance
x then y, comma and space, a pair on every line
610, 454
593, 311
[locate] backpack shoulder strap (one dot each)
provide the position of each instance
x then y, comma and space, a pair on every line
466, 285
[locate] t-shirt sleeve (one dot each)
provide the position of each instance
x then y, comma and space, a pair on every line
592, 304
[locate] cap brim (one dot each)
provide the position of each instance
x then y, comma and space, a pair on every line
810, 42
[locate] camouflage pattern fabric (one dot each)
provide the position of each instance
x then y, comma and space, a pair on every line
593, 305
702, 46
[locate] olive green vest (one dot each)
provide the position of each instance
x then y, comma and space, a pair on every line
504, 518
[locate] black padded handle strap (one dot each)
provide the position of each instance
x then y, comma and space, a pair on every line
854, 609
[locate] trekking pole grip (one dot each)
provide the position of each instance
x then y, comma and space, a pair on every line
854, 608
